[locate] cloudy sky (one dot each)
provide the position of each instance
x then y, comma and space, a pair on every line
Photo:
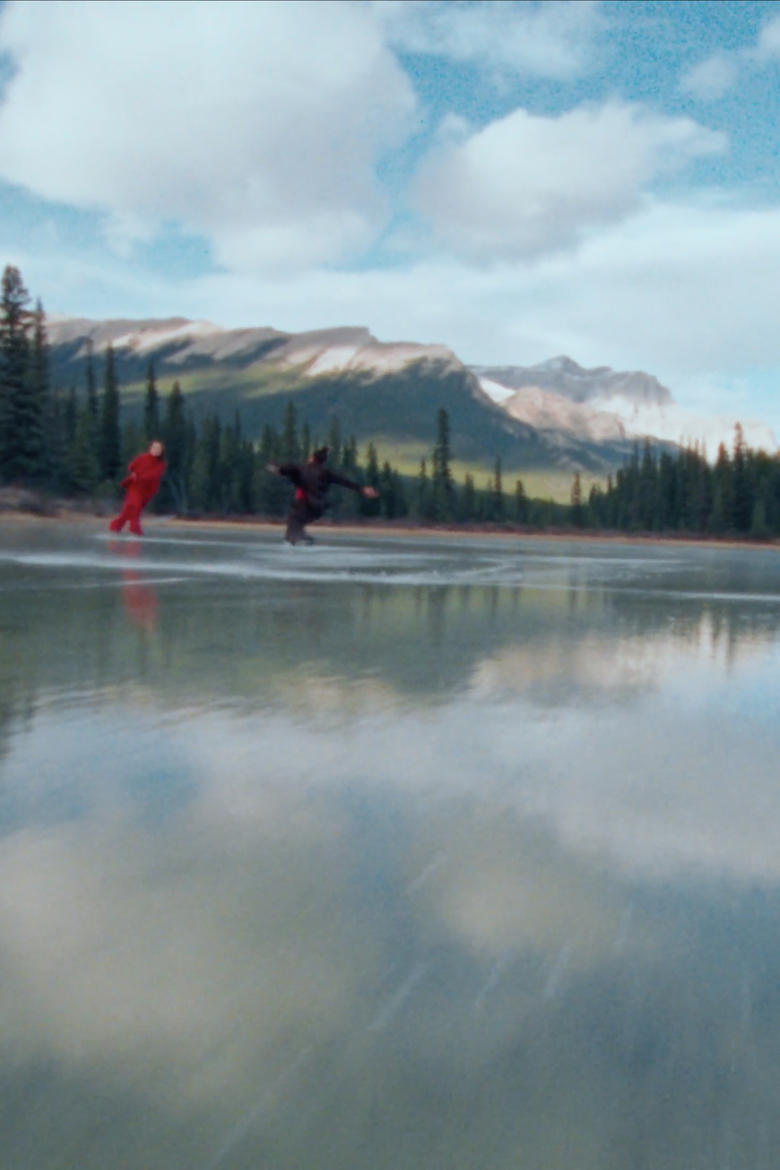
514, 180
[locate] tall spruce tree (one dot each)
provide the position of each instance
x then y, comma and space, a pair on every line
20, 420
495, 502
521, 503
722, 513
109, 447
175, 437
205, 482
82, 467
151, 406
423, 504
334, 441
51, 451
743, 495
290, 445
93, 409
442, 485
71, 414
371, 507
577, 507
467, 503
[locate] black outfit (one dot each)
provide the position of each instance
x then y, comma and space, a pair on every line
312, 481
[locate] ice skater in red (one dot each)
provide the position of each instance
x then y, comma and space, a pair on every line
140, 484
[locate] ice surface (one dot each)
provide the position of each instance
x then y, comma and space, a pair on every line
426, 850
335, 559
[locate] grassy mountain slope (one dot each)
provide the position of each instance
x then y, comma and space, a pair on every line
256, 373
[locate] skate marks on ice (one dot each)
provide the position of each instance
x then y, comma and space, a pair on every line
259, 1112
177, 559
93, 559
393, 1006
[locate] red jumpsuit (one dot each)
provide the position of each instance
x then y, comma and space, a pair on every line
141, 484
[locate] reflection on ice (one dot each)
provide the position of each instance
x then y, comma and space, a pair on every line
301, 870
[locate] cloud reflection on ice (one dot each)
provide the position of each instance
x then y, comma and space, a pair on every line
287, 871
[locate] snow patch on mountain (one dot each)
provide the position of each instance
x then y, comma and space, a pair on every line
148, 339
495, 390
330, 352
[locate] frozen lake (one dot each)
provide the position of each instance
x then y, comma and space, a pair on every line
407, 853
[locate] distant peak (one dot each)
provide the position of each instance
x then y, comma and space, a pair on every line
560, 365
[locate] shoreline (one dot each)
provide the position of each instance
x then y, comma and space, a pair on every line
19, 514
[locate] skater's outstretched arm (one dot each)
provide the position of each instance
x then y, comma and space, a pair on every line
291, 471
369, 492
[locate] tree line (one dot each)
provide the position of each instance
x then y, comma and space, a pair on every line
75, 443
738, 495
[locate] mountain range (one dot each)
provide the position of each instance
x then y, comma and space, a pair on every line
555, 416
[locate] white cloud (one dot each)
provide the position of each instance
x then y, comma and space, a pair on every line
682, 290
716, 75
554, 40
238, 120
712, 78
768, 46
526, 185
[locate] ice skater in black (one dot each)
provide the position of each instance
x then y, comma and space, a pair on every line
312, 480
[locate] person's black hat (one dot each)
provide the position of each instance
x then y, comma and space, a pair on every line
320, 455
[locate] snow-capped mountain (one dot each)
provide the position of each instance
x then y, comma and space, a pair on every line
604, 404
183, 342
555, 414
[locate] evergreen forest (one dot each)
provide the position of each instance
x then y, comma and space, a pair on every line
75, 442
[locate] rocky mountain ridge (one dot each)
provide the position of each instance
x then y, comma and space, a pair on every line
604, 404
555, 413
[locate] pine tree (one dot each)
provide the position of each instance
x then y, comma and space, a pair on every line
206, 468
109, 447
422, 494
334, 441
269, 491
92, 395
388, 492
759, 528
20, 421
82, 464
133, 440
647, 489
743, 495
177, 449
151, 406
521, 503
290, 446
70, 419
467, 504
349, 457
442, 486
246, 478
577, 509
495, 502
722, 511
229, 494
371, 507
